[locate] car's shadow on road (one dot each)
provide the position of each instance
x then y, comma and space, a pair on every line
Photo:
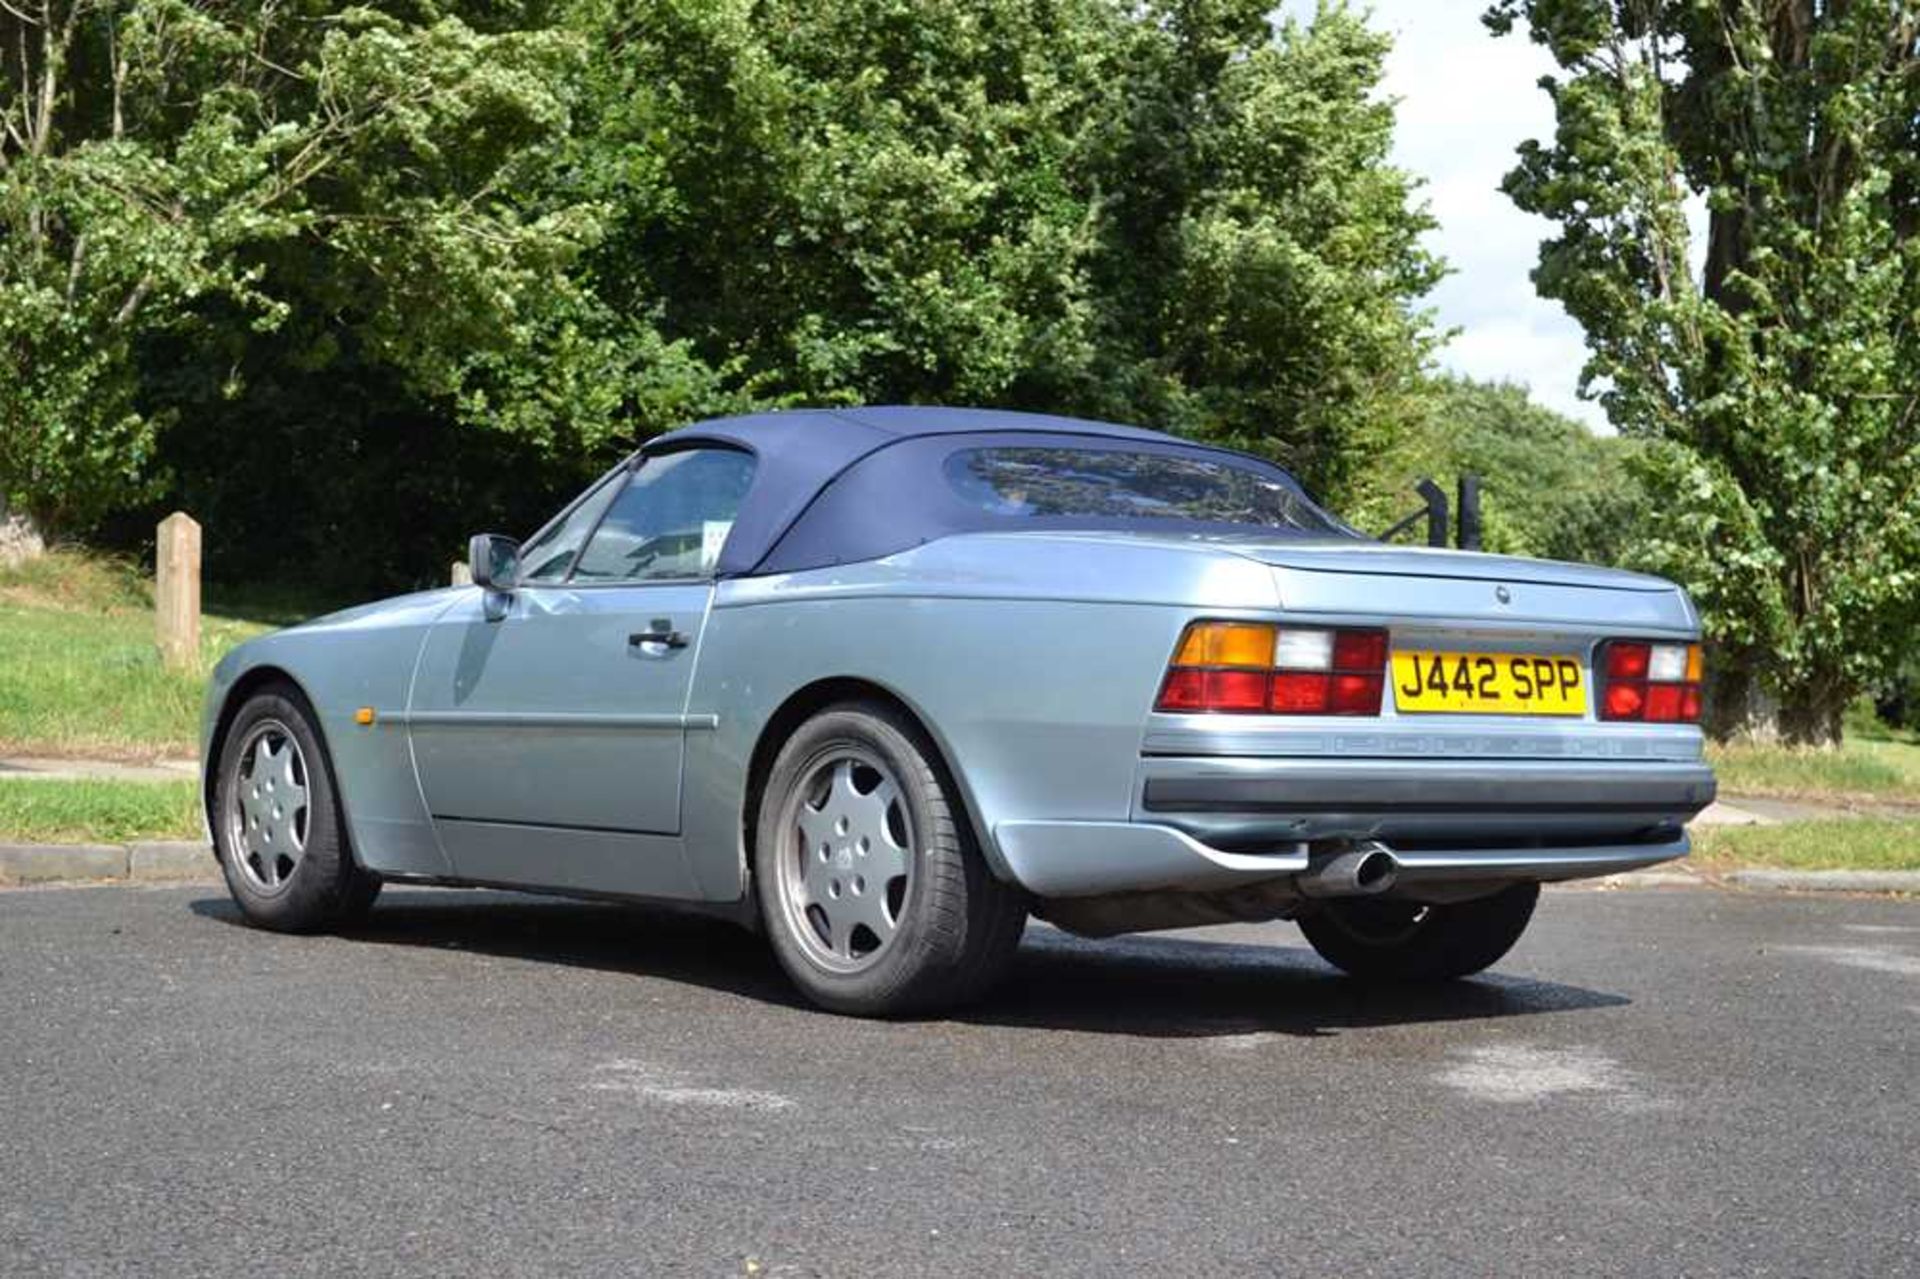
1177, 986
1159, 986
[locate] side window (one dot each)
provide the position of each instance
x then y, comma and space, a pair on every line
672, 520
548, 557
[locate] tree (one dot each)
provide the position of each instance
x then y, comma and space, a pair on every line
411, 267
1173, 213
1777, 388
1260, 262
1549, 487
167, 161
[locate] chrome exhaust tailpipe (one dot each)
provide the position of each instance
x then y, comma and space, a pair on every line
1361, 871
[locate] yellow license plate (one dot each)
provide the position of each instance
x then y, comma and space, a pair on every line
1488, 684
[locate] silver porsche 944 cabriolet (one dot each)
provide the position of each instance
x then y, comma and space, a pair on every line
884, 682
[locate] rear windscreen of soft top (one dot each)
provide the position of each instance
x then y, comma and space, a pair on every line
919, 489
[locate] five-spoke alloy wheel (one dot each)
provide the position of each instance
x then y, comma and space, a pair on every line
874, 892
277, 825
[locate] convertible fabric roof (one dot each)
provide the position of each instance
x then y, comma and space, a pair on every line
804, 451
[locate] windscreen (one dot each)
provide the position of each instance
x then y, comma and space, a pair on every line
1103, 483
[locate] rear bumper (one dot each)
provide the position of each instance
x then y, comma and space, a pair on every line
1086, 859
1249, 802
1210, 823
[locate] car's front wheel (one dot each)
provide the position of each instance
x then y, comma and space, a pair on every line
1387, 940
874, 892
277, 822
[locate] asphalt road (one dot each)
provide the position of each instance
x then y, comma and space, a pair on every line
1655, 1082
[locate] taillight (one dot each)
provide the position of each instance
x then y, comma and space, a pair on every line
1650, 682
1252, 668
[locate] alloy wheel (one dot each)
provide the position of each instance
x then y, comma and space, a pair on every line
846, 865
267, 807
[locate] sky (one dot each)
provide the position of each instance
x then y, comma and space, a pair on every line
1467, 100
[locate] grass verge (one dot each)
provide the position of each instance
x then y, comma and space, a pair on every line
97, 812
1858, 769
79, 672
1854, 844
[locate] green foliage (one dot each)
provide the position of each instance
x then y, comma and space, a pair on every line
1170, 214
350, 281
1549, 487
1777, 392
165, 165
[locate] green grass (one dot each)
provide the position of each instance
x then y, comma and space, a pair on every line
97, 812
1884, 769
79, 671
1858, 844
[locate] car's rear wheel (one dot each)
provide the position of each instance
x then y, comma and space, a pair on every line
277, 828
875, 895
1383, 939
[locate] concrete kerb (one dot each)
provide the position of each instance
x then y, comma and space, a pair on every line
1897, 882
147, 862
1828, 881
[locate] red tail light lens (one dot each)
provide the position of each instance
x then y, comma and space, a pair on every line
1627, 660
1650, 682
1663, 703
1625, 701
1241, 668
1357, 694
1359, 651
1203, 690
1301, 693
1183, 690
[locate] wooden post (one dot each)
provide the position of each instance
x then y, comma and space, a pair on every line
176, 591
461, 575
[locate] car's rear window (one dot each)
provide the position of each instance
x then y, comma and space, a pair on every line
1128, 484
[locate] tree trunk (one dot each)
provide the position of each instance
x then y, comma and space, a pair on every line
1737, 706
20, 537
1811, 714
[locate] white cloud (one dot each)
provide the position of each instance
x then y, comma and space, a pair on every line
1542, 353
1466, 101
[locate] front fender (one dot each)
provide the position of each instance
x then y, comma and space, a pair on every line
365, 657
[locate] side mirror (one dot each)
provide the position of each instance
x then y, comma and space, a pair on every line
495, 561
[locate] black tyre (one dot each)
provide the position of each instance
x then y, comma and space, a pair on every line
875, 895
1387, 940
277, 824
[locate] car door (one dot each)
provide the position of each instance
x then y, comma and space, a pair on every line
549, 722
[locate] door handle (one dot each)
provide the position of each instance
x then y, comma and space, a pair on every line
660, 632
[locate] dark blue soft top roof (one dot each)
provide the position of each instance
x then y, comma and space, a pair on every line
803, 451
841, 429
